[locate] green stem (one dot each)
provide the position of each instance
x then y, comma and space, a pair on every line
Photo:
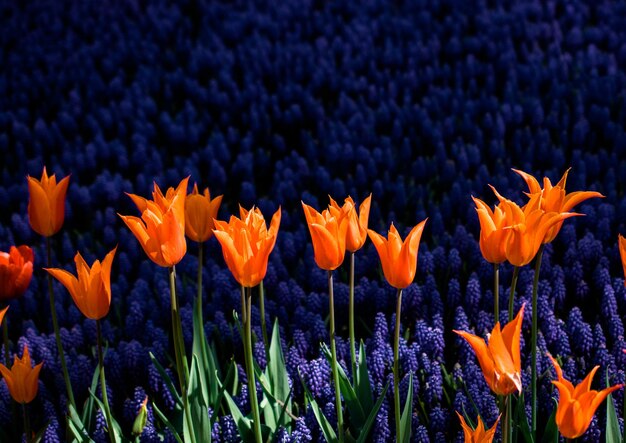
27, 430
7, 354
105, 397
507, 430
512, 293
351, 317
333, 361
179, 351
266, 342
199, 286
55, 325
533, 344
396, 358
496, 292
246, 311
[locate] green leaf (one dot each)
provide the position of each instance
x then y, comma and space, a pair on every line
373, 412
76, 425
362, 381
407, 414
244, 424
167, 423
167, 380
521, 420
327, 429
114, 426
551, 433
88, 412
198, 398
277, 371
613, 434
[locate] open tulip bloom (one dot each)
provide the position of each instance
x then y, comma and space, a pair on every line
622, 253
22, 379
200, 211
480, 434
16, 271
577, 405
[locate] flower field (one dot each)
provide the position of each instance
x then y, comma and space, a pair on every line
413, 109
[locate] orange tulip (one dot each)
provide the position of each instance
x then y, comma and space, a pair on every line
529, 226
91, 291
22, 379
200, 211
161, 228
555, 199
328, 233
577, 405
16, 271
2, 312
46, 206
356, 233
494, 234
247, 244
622, 253
480, 434
500, 360
399, 260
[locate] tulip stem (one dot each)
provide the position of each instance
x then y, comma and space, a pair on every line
506, 423
263, 325
512, 293
27, 430
333, 361
199, 286
396, 358
105, 397
351, 317
7, 354
496, 292
179, 351
533, 344
246, 314
55, 325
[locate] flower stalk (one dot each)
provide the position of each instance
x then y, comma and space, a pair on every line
533, 344
512, 293
55, 325
351, 316
333, 362
266, 342
496, 292
246, 311
105, 397
396, 358
28, 433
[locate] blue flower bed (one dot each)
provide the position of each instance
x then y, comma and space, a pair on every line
422, 103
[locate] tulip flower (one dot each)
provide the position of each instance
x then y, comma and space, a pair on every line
494, 234
16, 271
500, 359
91, 291
480, 434
622, 253
200, 211
246, 244
328, 233
398, 259
356, 233
46, 205
529, 227
577, 405
161, 228
2, 312
22, 379
555, 199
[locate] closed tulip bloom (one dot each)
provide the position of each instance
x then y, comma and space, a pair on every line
398, 259
493, 231
356, 233
161, 228
16, 271
22, 379
328, 234
200, 211
480, 434
91, 291
247, 243
528, 228
2, 312
555, 199
577, 405
500, 359
622, 253
46, 205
